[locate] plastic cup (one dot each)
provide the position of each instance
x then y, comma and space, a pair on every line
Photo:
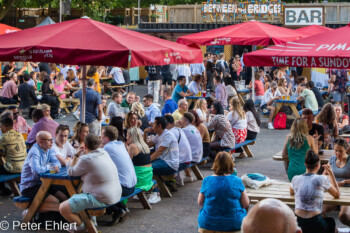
107, 120
204, 94
283, 97
52, 169
288, 97
25, 135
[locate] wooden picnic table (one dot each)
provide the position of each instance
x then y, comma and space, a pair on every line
191, 99
324, 158
73, 186
65, 103
105, 78
292, 103
280, 190
242, 93
344, 135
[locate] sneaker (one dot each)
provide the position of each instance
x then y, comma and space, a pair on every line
179, 180
94, 221
5, 191
270, 125
154, 198
76, 115
135, 197
173, 186
265, 111
188, 179
24, 213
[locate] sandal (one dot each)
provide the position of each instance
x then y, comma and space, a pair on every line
241, 155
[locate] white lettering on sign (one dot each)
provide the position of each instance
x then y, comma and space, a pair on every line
334, 47
299, 16
323, 62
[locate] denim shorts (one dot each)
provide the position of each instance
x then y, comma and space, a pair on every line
338, 96
83, 201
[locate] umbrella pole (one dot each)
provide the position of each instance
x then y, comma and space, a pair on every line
253, 83
83, 104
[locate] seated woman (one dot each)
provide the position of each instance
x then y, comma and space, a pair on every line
49, 93
80, 131
118, 122
222, 213
309, 190
60, 84
100, 189
141, 158
230, 89
204, 133
195, 86
46, 110
340, 165
253, 120
298, 142
342, 119
201, 107
267, 81
137, 108
224, 138
327, 119
283, 87
131, 120
258, 87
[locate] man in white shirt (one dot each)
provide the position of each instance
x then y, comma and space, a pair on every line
194, 138
117, 74
63, 149
184, 70
268, 102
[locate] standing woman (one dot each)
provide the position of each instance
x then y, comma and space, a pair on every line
327, 119
340, 165
298, 142
49, 93
92, 73
223, 198
309, 191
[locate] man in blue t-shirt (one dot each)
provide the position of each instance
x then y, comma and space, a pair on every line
93, 111
170, 105
181, 90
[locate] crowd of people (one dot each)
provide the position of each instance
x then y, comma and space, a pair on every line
139, 140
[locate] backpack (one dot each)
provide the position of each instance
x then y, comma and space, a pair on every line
280, 121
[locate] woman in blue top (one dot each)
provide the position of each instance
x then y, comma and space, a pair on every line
223, 198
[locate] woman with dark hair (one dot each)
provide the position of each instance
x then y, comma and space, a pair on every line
49, 93
230, 89
267, 81
224, 137
328, 120
253, 119
309, 191
92, 73
203, 131
211, 73
118, 122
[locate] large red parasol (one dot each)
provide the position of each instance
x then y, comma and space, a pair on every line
88, 42
313, 30
249, 33
7, 29
326, 50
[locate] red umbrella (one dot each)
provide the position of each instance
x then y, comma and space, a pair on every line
313, 30
88, 42
7, 29
326, 50
249, 33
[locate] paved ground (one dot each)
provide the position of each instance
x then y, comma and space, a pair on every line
179, 214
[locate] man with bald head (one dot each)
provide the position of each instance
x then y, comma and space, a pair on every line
39, 160
183, 107
270, 215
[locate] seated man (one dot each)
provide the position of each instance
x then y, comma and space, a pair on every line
40, 159
318, 95
130, 99
268, 102
8, 93
101, 185
121, 158
165, 160
194, 138
315, 130
183, 107
63, 149
309, 97
114, 107
185, 153
152, 110
181, 90
262, 218
13, 151
19, 123
26, 93
42, 123
220, 94
169, 104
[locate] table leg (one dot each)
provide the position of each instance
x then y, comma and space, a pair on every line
76, 105
39, 197
83, 214
295, 110
14, 187
278, 108
241, 98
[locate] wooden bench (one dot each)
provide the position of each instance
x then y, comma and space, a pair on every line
11, 180
24, 202
8, 105
124, 85
324, 158
244, 145
194, 167
65, 103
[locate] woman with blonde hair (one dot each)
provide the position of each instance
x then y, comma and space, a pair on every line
237, 118
201, 107
60, 84
137, 108
223, 198
298, 142
284, 87
141, 158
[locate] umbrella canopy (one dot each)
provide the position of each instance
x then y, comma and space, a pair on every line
326, 50
248, 33
4, 29
313, 30
89, 42
46, 21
